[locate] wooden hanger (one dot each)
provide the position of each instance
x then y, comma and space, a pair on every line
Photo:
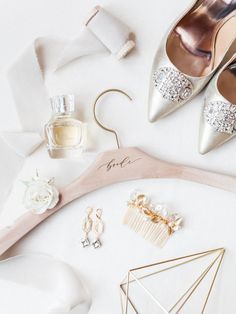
111, 167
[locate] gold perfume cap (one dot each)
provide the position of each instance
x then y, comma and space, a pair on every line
63, 103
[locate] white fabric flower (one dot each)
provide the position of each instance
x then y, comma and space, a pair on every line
40, 195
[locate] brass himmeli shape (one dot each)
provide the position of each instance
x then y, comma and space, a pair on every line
127, 303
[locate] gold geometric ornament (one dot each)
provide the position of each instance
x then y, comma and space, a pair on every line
172, 286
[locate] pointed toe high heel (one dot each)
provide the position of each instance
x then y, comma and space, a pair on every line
218, 119
190, 54
159, 105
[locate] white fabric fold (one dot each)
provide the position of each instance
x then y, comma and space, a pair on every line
52, 277
22, 143
84, 45
10, 165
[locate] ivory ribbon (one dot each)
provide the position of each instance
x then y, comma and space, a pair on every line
102, 32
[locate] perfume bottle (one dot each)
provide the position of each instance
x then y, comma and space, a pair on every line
65, 135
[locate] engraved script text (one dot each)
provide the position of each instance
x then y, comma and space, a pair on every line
121, 164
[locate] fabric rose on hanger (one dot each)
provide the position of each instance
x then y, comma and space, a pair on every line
40, 195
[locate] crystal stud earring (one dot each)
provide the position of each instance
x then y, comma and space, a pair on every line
87, 227
98, 228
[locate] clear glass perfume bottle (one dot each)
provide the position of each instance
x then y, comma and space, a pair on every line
65, 135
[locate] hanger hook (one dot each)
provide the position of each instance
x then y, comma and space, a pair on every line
112, 90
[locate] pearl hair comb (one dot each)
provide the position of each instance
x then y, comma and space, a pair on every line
155, 224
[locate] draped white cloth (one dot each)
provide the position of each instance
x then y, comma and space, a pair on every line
54, 278
102, 32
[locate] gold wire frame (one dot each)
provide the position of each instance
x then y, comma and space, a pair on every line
127, 303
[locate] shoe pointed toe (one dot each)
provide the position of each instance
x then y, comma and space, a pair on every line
209, 138
159, 107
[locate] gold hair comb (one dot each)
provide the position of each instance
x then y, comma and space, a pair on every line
154, 224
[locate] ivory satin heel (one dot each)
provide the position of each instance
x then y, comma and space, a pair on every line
218, 120
190, 54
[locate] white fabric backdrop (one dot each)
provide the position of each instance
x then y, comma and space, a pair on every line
209, 213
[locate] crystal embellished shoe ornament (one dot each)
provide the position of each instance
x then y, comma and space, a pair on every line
218, 118
172, 84
154, 223
221, 116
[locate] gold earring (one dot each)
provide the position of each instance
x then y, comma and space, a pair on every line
98, 228
87, 227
